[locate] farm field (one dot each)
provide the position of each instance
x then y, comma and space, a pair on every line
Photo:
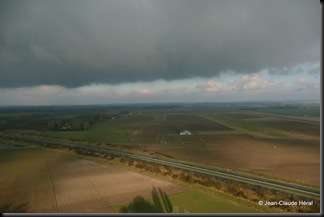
306, 111
284, 124
281, 158
101, 132
147, 129
195, 201
38, 180
295, 127
269, 143
244, 140
265, 126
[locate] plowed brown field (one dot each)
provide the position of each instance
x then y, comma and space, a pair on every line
297, 160
37, 180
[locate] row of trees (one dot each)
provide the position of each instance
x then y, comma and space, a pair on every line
20, 122
79, 122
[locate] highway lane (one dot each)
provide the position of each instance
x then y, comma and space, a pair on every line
196, 168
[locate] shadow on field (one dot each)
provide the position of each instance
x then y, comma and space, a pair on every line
140, 205
7, 208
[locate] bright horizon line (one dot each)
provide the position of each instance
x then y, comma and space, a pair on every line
161, 103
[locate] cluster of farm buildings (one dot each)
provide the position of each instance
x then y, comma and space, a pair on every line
185, 132
64, 125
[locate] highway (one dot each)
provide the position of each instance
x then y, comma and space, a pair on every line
193, 167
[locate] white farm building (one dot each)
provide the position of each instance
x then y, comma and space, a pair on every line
185, 132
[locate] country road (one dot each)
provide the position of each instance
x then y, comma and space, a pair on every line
193, 167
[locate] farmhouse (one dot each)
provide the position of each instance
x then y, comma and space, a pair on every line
185, 132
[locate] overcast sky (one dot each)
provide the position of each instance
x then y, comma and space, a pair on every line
125, 51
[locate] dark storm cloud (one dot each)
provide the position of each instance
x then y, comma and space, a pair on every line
75, 43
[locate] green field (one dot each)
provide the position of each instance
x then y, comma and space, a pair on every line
194, 201
100, 132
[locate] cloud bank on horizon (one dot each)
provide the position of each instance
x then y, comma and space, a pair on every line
149, 48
